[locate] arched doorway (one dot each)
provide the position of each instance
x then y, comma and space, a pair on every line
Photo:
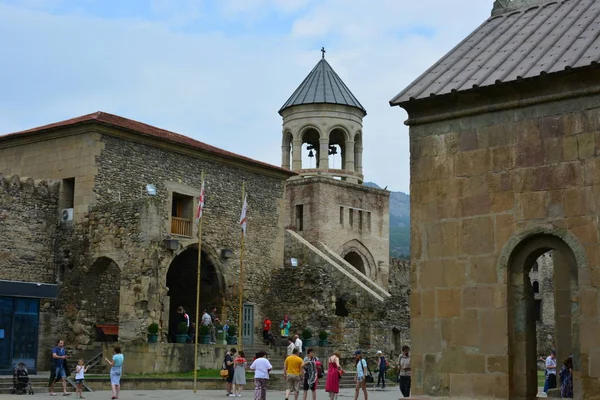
182, 284
356, 261
523, 383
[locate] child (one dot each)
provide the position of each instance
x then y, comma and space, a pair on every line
80, 370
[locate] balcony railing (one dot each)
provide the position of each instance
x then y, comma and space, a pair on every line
181, 226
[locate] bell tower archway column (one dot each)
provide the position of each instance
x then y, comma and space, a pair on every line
296, 155
324, 153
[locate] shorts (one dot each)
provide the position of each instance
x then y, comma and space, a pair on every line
360, 379
60, 373
312, 387
52, 378
230, 376
293, 383
79, 381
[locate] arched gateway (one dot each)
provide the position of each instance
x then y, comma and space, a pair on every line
182, 284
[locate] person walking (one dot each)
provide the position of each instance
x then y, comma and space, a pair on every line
266, 329
261, 367
116, 371
298, 344
291, 346
382, 368
213, 326
292, 369
404, 373
239, 373
332, 384
361, 375
310, 374
566, 379
59, 356
228, 365
551, 370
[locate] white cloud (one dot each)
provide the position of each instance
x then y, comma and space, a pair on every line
225, 87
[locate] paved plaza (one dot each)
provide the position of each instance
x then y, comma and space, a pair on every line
391, 393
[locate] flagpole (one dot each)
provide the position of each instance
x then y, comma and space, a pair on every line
201, 218
241, 284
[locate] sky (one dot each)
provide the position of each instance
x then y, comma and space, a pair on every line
219, 71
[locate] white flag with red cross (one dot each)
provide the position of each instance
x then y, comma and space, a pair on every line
200, 202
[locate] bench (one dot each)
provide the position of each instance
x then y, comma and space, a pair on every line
107, 333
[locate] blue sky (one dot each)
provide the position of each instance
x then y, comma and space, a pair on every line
219, 71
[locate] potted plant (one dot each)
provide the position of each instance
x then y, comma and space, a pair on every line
323, 338
203, 334
181, 336
231, 335
153, 333
307, 337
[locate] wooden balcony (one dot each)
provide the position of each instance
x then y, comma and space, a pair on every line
181, 226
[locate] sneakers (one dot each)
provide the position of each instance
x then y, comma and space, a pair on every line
231, 395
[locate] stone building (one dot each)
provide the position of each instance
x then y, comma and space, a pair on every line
124, 255
504, 168
99, 236
541, 276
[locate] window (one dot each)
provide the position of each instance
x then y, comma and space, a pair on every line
300, 217
360, 220
340, 308
351, 217
536, 287
342, 216
181, 214
67, 194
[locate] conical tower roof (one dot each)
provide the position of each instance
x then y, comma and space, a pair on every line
322, 85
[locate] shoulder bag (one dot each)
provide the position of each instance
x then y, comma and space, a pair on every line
369, 377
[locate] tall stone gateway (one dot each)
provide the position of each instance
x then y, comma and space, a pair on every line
504, 141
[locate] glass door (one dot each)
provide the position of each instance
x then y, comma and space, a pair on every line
6, 311
248, 324
25, 332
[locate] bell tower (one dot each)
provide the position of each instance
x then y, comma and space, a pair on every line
322, 127
326, 203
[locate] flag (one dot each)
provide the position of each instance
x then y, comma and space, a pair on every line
243, 217
200, 202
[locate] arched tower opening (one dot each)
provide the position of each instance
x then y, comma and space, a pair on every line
286, 150
337, 148
356, 261
310, 148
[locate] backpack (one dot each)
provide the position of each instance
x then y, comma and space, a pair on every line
320, 371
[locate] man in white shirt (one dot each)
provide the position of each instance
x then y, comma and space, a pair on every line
298, 344
291, 346
551, 370
206, 319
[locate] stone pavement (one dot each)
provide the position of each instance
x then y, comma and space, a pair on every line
345, 394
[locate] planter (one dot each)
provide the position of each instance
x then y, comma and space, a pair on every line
153, 338
308, 342
181, 338
322, 343
231, 339
220, 335
204, 339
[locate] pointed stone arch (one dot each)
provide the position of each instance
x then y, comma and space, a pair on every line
354, 248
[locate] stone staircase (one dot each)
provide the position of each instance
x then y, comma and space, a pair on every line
342, 266
39, 383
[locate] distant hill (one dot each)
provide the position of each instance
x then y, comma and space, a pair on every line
399, 223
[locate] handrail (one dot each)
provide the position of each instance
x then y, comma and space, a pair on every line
181, 226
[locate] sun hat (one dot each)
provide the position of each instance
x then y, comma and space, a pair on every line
379, 352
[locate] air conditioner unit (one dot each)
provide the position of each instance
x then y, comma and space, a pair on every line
66, 215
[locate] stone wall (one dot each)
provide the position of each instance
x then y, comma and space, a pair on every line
311, 293
543, 273
480, 183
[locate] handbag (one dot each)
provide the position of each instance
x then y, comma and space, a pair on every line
224, 372
369, 378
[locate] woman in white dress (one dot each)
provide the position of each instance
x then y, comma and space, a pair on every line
240, 364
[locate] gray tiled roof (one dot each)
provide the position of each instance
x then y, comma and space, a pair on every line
322, 85
548, 38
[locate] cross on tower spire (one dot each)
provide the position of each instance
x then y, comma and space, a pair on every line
322, 52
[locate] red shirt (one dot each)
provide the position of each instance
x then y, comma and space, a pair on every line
266, 325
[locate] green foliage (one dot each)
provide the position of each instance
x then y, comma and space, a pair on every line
182, 328
203, 330
323, 335
232, 331
306, 334
153, 328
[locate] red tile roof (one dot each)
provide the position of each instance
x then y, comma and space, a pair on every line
142, 129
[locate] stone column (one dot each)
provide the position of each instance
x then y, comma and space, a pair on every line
358, 159
562, 306
296, 155
285, 156
324, 153
349, 156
